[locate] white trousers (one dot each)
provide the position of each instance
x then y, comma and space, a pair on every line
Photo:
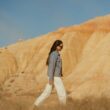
48, 89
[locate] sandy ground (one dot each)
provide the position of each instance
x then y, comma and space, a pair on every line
25, 101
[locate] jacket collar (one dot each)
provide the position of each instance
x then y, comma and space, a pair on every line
57, 52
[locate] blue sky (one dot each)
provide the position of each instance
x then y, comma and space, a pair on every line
25, 19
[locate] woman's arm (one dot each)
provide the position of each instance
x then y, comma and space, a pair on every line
51, 67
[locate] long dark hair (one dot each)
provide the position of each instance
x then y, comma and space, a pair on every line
53, 48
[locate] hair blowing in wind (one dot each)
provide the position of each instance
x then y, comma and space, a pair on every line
53, 48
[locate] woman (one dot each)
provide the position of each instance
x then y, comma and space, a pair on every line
54, 63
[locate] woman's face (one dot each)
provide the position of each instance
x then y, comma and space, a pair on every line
60, 47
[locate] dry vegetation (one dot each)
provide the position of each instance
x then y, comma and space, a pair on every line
24, 103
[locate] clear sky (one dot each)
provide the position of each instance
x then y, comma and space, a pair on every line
25, 19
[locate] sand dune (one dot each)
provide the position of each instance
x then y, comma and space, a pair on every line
86, 61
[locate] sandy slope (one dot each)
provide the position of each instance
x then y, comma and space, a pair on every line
86, 61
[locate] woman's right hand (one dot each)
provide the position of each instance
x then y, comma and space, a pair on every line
51, 82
